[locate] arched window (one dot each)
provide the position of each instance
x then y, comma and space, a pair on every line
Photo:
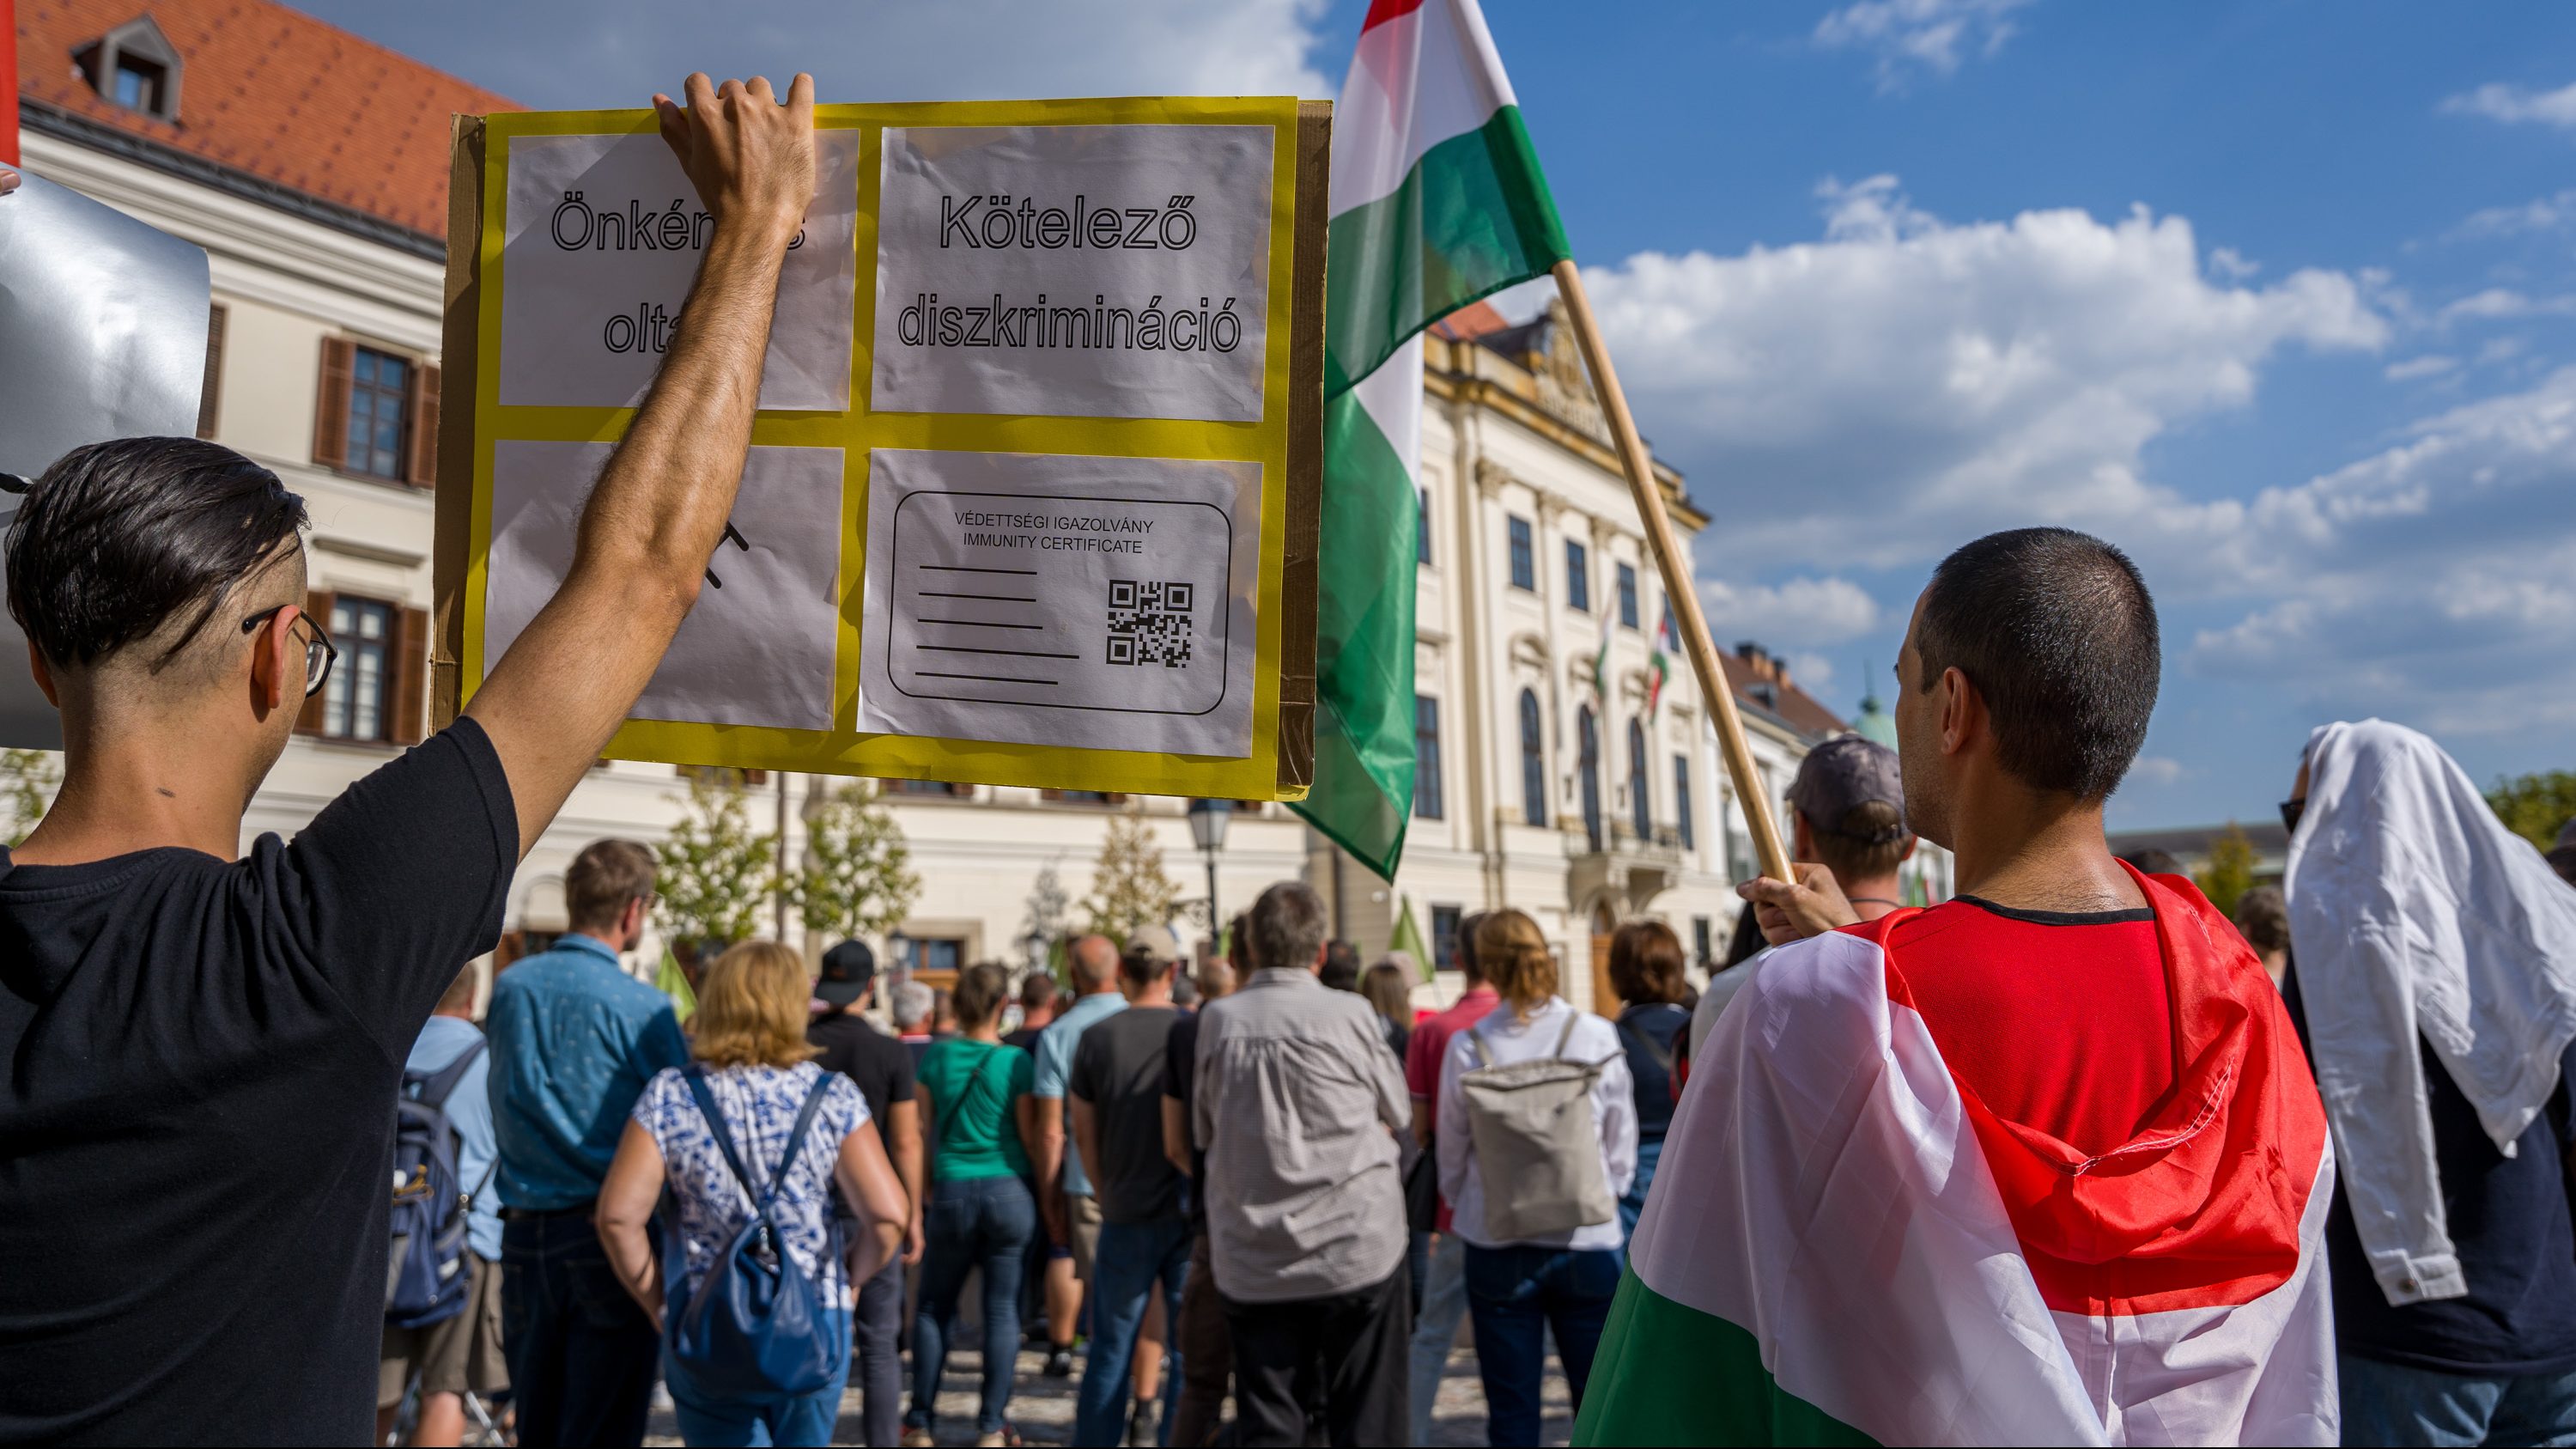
1640, 813
1588, 741
1533, 763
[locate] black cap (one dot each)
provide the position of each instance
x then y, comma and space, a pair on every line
848, 970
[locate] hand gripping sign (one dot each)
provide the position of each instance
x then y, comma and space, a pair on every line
1032, 490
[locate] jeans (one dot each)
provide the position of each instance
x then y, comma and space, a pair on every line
877, 1324
2386, 1403
1516, 1294
1633, 1205
719, 1421
1206, 1351
1435, 1328
982, 1222
1351, 1345
1130, 1259
581, 1352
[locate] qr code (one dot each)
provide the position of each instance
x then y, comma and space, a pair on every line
1149, 623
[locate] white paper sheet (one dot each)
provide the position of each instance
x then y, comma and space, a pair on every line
601, 238
1079, 271
758, 648
1099, 603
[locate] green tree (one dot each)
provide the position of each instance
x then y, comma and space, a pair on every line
2230, 873
28, 780
2535, 807
1128, 886
857, 878
717, 872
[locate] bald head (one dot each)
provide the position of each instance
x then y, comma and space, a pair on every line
1095, 964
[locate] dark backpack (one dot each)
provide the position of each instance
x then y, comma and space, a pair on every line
425, 1283
756, 1324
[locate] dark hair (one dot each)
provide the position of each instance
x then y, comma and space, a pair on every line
2058, 633
1039, 989
1465, 948
1646, 962
1859, 846
1288, 927
1341, 967
2263, 915
1142, 966
602, 879
981, 990
116, 538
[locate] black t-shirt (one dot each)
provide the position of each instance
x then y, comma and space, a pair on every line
2509, 1224
196, 1123
880, 1065
1118, 1069
1180, 1074
1644, 1031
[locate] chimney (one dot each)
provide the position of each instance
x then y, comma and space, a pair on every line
1765, 667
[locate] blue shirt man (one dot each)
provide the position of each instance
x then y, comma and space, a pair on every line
1056, 1044
574, 1040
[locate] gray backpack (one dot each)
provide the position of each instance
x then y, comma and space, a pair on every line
1538, 1154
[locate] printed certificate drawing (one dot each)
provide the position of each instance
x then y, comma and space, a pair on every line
602, 239
1101, 603
757, 649
1074, 271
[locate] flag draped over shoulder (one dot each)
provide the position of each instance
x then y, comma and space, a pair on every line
1437, 201
1842, 1247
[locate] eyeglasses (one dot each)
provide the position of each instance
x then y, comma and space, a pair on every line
318, 651
2291, 810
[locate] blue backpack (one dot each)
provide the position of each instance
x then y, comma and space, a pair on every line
426, 1280
755, 1325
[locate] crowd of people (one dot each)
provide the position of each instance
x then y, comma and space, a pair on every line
2071, 1156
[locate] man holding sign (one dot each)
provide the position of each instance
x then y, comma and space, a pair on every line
193, 1148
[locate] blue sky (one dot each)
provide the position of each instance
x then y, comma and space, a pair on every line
2279, 296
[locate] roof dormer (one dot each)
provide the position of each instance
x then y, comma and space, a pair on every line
134, 66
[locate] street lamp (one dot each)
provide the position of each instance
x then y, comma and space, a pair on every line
899, 946
1208, 819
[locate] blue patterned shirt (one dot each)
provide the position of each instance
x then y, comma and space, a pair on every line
759, 1106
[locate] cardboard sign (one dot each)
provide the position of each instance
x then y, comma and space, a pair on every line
1032, 489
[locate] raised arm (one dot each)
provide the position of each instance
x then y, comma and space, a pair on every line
660, 505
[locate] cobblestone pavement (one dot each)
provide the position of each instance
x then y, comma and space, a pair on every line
1042, 1408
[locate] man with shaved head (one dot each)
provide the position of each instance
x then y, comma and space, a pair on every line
1065, 1200
204, 1042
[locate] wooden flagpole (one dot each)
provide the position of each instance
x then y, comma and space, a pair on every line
1675, 567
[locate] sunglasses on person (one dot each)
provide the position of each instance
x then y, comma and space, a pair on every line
318, 650
2291, 810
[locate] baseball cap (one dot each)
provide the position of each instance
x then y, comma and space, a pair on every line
1843, 774
1155, 941
848, 968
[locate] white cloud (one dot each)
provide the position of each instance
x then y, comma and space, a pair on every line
2434, 580
2229, 263
2515, 105
1811, 672
570, 53
2546, 213
2156, 770
1910, 35
1906, 384
1800, 611
2501, 304
2429, 365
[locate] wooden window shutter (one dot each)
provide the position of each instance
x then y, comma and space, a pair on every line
318, 605
408, 698
212, 393
331, 409
422, 425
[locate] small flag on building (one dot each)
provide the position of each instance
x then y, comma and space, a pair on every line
1660, 666
1601, 664
1437, 201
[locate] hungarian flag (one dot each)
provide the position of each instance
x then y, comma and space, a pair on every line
1843, 1247
1437, 201
1660, 666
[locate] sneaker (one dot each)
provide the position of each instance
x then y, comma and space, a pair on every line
1144, 1423
1059, 1364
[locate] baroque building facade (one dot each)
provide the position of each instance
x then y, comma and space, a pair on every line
312, 166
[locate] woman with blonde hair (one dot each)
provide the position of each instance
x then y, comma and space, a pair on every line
1388, 985
1544, 1244
751, 1133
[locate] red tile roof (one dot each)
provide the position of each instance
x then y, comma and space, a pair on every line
1470, 322
1798, 708
273, 93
